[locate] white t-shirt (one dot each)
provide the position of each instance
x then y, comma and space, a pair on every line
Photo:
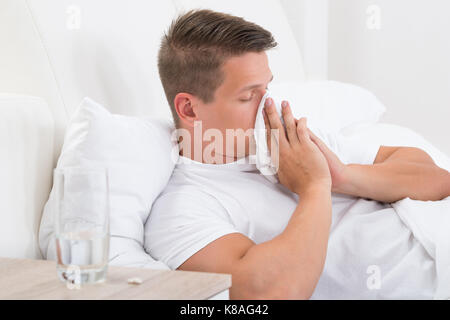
203, 202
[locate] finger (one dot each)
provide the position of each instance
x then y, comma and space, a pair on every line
302, 131
274, 147
274, 120
272, 137
322, 146
312, 135
267, 126
289, 121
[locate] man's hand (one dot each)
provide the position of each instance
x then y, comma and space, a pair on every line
397, 173
338, 170
302, 166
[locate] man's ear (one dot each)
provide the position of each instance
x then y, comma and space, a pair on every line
184, 105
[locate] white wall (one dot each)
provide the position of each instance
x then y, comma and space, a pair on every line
309, 21
406, 62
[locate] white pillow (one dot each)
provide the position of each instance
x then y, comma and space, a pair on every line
138, 153
330, 104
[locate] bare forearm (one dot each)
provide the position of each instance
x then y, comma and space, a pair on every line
392, 180
289, 266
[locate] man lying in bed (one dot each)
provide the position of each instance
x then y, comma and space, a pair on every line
226, 217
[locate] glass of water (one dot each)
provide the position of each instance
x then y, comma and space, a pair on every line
81, 224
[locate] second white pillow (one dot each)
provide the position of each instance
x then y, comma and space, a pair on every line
138, 153
330, 104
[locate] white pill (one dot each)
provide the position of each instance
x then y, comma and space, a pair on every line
134, 281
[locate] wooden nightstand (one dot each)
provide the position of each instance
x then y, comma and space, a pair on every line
37, 279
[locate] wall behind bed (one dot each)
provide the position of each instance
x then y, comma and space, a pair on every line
399, 50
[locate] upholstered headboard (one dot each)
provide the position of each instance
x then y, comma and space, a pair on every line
64, 50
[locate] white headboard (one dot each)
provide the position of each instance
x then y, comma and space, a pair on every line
63, 50
309, 22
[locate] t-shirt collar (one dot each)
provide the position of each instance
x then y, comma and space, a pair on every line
244, 164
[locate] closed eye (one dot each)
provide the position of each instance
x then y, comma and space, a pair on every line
246, 100
251, 97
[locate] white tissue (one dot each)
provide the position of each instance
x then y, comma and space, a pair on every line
263, 160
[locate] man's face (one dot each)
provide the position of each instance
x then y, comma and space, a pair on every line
236, 101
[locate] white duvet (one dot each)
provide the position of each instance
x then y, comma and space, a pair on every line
429, 222
389, 251
383, 251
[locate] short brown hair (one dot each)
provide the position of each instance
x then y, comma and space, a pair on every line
196, 46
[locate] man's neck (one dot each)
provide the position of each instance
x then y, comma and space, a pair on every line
195, 148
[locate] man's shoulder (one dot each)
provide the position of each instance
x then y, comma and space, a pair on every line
184, 197
176, 190
184, 205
